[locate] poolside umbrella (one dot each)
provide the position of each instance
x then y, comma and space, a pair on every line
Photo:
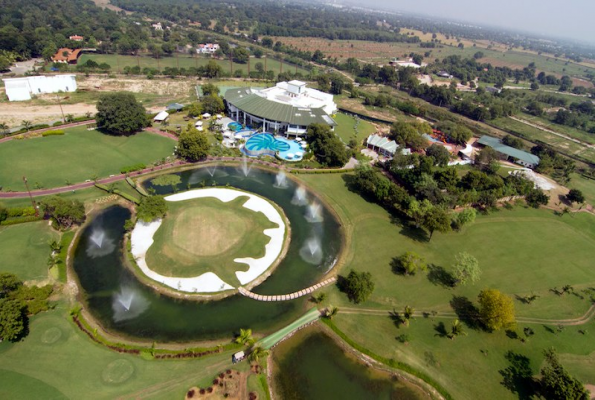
299, 154
304, 145
289, 155
206, 115
297, 139
219, 116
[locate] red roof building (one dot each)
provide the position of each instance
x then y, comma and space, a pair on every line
67, 56
77, 38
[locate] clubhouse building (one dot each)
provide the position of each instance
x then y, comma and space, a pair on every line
287, 108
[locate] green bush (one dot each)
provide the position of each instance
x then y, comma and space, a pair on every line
131, 168
20, 220
58, 123
102, 187
54, 132
20, 212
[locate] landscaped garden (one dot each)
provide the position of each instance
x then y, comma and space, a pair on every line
76, 156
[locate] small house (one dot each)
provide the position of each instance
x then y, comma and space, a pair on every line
175, 107
509, 153
382, 145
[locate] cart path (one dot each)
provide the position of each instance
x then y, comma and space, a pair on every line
448, 315
286, 297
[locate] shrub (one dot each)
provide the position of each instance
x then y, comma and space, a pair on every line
131, 168
20, 220
55, 132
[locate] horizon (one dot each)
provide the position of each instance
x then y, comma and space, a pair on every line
543, 20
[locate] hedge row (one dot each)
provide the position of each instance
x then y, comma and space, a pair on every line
102, 187
55, 132
391, 362
20, 220
138, 350
321, 171
20, 212
77, 119
131, 168
127, 196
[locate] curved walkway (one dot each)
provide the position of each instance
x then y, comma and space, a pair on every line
286, 297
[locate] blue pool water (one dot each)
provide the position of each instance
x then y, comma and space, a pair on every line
234, 126
266, 144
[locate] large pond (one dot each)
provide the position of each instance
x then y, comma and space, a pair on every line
311, 365
123, 305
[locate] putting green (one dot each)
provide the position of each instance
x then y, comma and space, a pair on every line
206, 235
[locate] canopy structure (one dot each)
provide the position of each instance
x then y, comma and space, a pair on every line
382, 145
206, 115
175, 107
162, 116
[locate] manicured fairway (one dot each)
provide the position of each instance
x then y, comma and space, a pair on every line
25, 249
76, 156
206, 235
520, 251
56, 358
347, 131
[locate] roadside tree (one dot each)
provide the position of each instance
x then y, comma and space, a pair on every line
120, 114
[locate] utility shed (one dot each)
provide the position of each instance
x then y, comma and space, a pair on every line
510, 153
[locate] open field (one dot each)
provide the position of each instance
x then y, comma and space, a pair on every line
346, 128
206, 235
76, 156
25, 249
118, 62
58, 361
383, 52
557, 142
520, 251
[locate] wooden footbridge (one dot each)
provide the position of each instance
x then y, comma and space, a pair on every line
286, 297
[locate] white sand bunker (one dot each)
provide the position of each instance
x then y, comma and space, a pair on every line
539, 181
142, 238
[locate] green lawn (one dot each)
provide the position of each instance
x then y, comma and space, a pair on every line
520, 251
79, 155
206, 235
85, 195
346, 128
25, 249
58, 361
585, 185
183, 61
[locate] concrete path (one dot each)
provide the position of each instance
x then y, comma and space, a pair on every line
286, 297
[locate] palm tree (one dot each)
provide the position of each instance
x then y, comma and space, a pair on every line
245, 337
456, 329
257, 353
26, 124
331, 311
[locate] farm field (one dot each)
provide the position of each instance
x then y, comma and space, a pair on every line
60, 362
25, 249
520, 252
383, 52
76, 156
183, 61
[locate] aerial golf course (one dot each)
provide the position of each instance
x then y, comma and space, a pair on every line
522, 252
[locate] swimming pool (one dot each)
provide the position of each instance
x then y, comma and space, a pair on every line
234, 126
265, 144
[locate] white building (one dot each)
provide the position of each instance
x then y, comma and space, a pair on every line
157, 26
287, 107
162, 116
208, 48
20, 89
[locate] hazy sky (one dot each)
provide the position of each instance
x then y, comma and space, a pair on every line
570, 18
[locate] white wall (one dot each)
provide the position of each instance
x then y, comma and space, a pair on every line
19, 89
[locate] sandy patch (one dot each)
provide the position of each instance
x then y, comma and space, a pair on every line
142, 238
257, 204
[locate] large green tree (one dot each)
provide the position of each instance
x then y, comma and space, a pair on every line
466, 268
436, 219
409, 263
12, 319
66, 213
557, 383
496, 309
212, 104
193, 145
358, 286
151, 208
120, 114
326, 146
